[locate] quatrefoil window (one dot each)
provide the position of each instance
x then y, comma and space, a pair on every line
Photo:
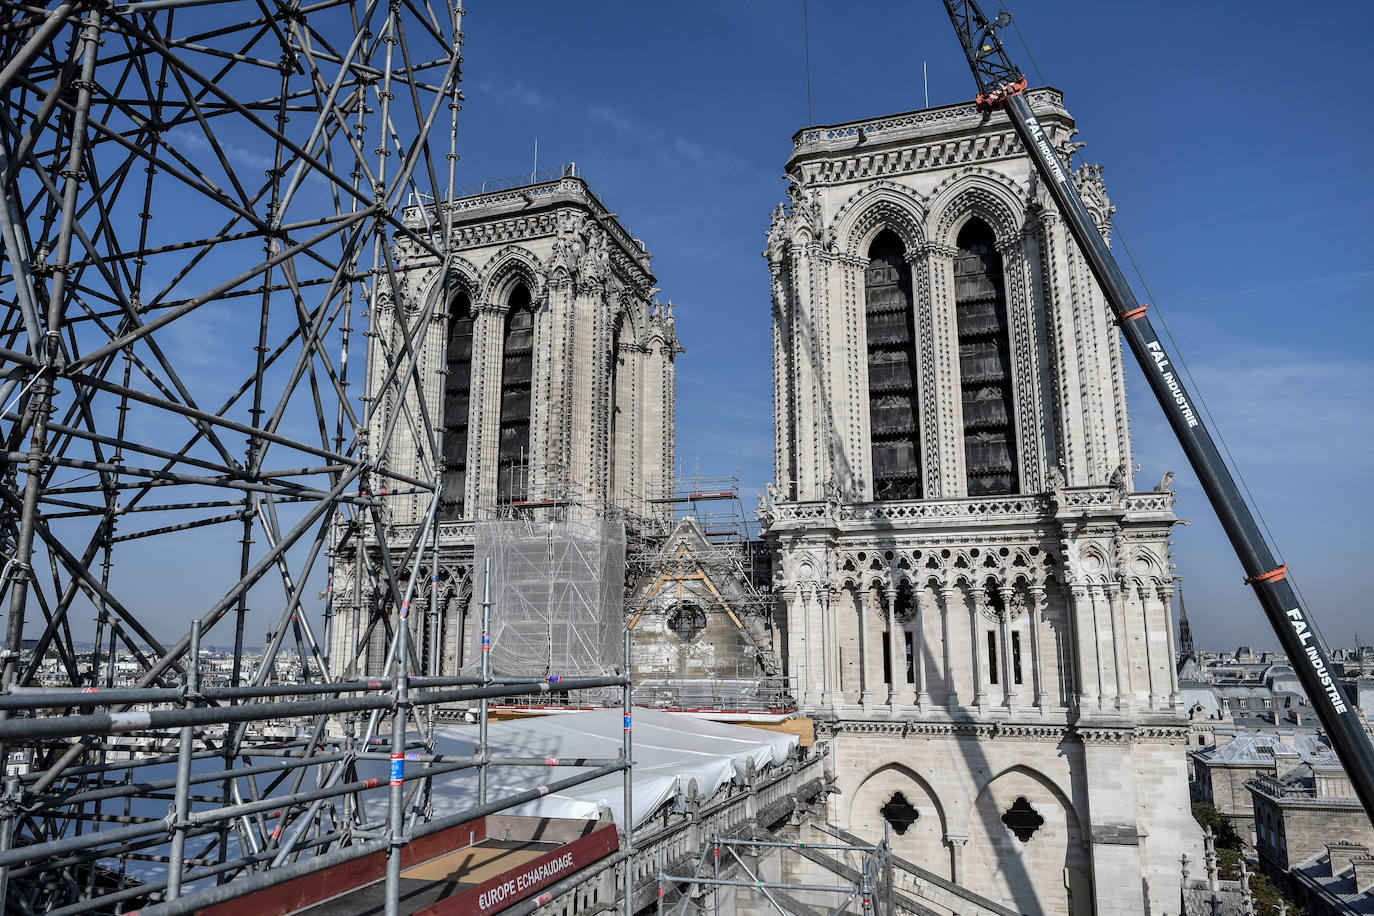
899, 813
1022, 820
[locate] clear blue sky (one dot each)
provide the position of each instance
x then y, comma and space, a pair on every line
1235, 141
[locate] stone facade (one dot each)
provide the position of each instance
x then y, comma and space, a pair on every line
973, 600
544, 383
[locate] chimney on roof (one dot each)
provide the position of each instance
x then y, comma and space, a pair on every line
1364, 872
1343, 855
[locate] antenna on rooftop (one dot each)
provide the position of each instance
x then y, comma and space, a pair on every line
925, 78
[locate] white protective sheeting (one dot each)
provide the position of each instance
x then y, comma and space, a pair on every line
669, 750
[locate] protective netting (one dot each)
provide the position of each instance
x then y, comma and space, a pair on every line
557, 594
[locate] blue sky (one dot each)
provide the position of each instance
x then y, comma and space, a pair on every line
1234, 146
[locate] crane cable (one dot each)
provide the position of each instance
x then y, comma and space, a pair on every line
1178, 358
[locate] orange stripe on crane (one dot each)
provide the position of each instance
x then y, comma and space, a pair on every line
1134, 313
1272, 575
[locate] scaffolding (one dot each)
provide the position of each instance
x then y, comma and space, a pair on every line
732, 865
557, 590
197, 203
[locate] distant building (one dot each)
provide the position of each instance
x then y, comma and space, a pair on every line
1338, 881
1306, 821
1221, 772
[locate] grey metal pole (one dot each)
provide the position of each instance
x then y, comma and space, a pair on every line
183, 791
628, 827
396, 805
482, 749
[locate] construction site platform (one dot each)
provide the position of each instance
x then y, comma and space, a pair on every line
483, 866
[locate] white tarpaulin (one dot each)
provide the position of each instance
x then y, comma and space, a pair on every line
669, 750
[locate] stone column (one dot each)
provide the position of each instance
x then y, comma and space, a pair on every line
980, 694
814, 675
796, 642
1083, 621
1009, 697
918, 650
1034, 608
1120, 662
831, 649
951, 692
897, 671
861, 602
484, 440
1144, 593
956, 859
1166, 598
1096, 598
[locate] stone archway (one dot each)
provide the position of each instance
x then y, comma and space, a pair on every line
895, 796
1026, 844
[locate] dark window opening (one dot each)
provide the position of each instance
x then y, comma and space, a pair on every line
992, 656
517, 364
1016, 657
910, 657
1022, 820
899, 813
887, 658
687, 622
457, 388
892, 411
984, 364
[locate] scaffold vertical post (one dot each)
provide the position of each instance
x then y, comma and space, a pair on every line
396, 800
482, 750
182, 806
629, 817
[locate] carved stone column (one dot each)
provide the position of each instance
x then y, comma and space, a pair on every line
486, 449
861, 606
1144, 592
896, 671
1166, 598
956, 849
980, 694
1084, 625
1009, 697
951, 692
796, 642
1119, 648
833, 697
918, 650
1034, 608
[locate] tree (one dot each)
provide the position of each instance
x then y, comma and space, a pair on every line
1208, 816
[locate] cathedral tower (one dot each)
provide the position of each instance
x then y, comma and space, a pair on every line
543, 385
973, 599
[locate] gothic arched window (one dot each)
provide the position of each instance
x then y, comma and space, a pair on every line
457, 386
984, 364
890, 320
517, 363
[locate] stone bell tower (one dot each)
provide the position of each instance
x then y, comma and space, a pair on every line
974, 599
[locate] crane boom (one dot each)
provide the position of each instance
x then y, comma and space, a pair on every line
1001, 85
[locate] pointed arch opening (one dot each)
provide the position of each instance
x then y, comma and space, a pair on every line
892, 395
990, 458
457, 391
517, 364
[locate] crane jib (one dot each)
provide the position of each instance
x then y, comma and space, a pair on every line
1001, 86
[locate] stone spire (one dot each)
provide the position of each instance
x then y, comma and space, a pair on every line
1185, 632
